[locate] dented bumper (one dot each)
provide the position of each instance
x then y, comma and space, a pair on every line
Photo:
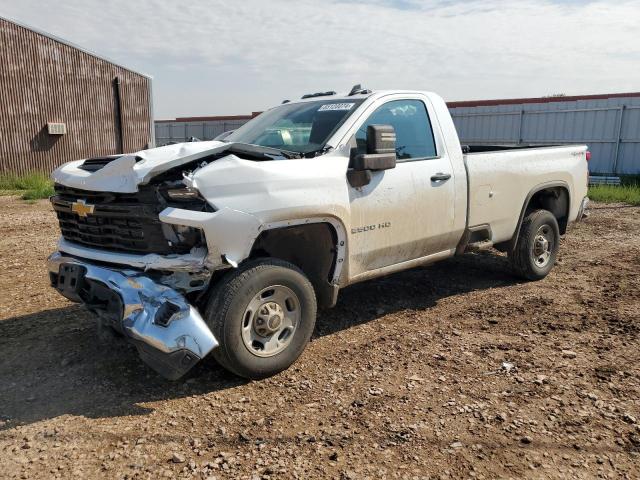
169, 333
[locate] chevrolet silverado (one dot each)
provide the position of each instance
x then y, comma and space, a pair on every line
229, 247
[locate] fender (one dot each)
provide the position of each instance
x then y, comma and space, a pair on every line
231, 234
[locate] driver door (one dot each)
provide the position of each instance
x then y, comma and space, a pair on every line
406, 212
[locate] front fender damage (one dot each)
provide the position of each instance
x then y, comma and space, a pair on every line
229, 233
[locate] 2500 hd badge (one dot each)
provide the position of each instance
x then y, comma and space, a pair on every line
370, 228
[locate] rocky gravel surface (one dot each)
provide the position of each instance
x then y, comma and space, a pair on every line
457, 370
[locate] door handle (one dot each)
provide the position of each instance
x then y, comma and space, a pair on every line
440, 177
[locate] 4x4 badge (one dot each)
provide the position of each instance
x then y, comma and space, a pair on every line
82, 209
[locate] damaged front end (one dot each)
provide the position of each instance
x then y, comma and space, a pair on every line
146, 299
169, 332
140, 246
139, 274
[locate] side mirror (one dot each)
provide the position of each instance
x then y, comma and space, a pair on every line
381, 149
381, 155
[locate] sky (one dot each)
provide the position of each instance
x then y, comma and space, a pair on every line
224, 57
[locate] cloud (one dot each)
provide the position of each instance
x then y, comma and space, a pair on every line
210, 57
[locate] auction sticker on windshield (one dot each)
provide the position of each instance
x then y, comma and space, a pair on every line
336, 106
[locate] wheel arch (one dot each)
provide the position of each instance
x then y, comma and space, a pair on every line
552, 196
316, 245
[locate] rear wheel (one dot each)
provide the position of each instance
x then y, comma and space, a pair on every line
537, 248
263, 315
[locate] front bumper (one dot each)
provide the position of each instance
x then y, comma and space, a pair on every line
169, 333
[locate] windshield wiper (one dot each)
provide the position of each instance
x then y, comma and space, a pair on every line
289, 154
260, 150
318, 152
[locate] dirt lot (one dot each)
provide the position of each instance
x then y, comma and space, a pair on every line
451, 371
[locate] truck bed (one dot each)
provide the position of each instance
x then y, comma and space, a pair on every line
501, 177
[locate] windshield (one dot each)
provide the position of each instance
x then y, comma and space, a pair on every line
297, 127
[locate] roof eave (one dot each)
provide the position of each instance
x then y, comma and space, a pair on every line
73, 45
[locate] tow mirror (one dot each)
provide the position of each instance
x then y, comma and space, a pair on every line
381, 155
381, 149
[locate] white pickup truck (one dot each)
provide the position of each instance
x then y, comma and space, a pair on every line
228, 247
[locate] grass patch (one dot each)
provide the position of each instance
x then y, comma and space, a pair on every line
615, 194
30, 186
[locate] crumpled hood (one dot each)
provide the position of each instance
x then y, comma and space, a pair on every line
124, 174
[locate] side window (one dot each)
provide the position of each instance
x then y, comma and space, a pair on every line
414, 135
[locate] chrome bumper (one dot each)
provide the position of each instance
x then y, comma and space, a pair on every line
170, 334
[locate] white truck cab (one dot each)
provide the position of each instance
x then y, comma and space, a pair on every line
229, 246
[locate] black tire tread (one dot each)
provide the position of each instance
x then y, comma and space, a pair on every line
520, 258
223, 294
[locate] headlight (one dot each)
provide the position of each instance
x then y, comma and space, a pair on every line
185, 194
180, 195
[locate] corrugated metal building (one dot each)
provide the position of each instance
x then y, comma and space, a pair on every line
609, 124
203, 128
60, 102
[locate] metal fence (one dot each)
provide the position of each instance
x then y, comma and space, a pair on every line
610, 127
180, 131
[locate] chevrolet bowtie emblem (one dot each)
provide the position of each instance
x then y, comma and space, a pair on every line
81, 208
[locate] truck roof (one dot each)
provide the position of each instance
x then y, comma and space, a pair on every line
373, 94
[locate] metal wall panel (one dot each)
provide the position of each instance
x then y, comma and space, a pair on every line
168, 131
609, 126
43, 80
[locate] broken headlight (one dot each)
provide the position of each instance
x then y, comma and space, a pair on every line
174, 193
184, 194
183, 238
180, 195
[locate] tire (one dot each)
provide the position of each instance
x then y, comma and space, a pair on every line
532, 258
266, 302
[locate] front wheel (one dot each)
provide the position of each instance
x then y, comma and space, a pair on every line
537, 247
263, 315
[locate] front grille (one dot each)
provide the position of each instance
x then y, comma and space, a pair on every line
119, 221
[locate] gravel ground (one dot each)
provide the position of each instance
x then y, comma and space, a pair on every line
452, 371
